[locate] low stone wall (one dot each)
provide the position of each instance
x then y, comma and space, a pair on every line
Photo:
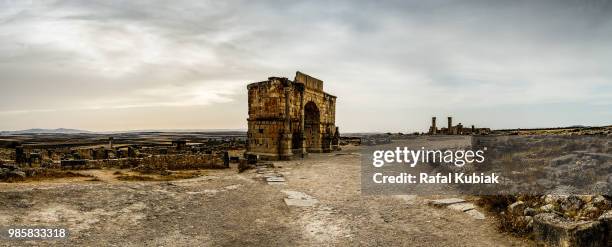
183, 162
157, 162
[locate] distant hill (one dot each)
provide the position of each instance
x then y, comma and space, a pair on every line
77, 131
175, 130
45, 131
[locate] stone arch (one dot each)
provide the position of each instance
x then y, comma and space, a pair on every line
312, 127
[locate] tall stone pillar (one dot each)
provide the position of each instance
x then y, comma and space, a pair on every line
285, 152
434, 129
302, 134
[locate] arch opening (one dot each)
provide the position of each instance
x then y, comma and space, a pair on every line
312, 127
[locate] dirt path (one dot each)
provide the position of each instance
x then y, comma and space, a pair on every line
229, 209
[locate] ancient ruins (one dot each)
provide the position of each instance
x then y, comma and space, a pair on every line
455, 130
94, 150
290, 118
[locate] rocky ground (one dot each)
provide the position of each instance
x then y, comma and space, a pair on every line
318, 203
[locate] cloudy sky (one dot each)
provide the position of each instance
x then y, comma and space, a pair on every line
122, 65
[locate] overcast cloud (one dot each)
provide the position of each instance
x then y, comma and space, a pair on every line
119, 65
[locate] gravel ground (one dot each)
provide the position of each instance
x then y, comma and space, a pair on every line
225, 208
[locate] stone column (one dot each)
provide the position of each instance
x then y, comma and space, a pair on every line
302, 134
433, 126
285, 152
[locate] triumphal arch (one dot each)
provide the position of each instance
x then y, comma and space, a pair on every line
290, 118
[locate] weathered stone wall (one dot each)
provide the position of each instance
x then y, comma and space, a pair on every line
277, 115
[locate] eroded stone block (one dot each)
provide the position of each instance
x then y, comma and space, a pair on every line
553, 230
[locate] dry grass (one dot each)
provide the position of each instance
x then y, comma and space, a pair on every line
506, 222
